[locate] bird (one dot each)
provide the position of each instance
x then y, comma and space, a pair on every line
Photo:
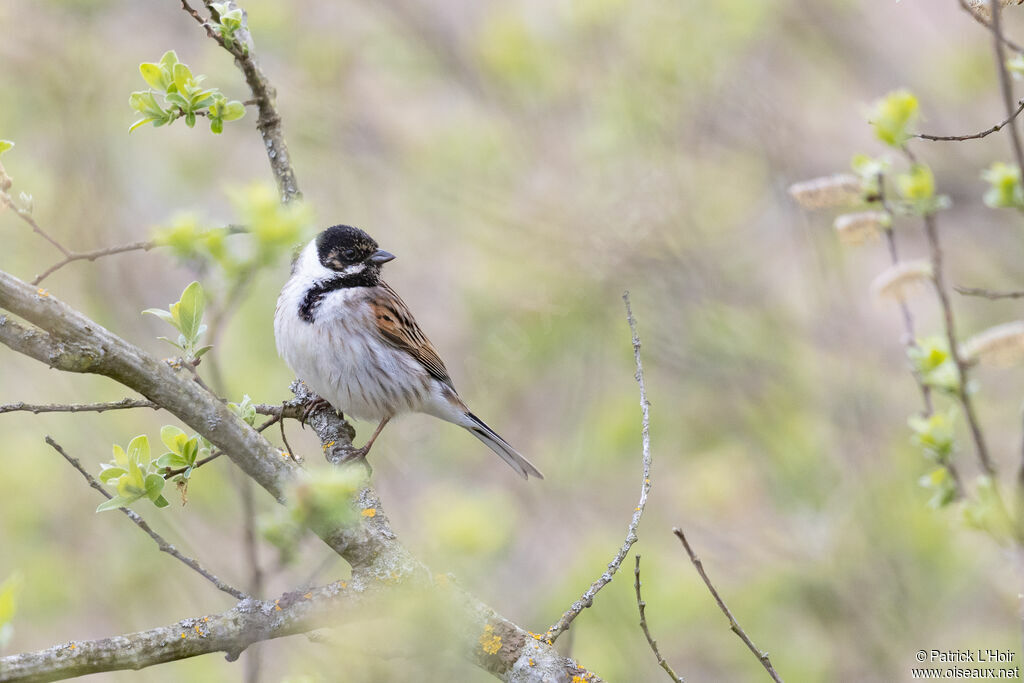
350, 338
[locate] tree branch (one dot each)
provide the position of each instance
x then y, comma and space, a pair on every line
976, 8
70, 257
1004, 81
587, 599
733, 624
264, 94
250, 621
988, 293
642, 606
36, 408
67, 340
975, 136
141, 523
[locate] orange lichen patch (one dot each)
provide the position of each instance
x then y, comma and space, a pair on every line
277, 606
536, 636
344, 584
42, 292
532, 663
489, 641
308, 596
182, 635
370, 512
285, 454
197, 629
72, 646
328, 445
206, 619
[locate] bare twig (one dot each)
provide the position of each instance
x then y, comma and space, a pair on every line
37, 408
909, 340
72, 256
1004, 81
938, 279
976, 136
5, 200
642, 606
587, 599
733, 624
988, 293
141, 523
181, 470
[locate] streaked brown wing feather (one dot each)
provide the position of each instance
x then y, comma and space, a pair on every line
399, 328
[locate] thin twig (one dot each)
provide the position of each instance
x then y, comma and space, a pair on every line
910, 340
985, 22
587, 599
976, 136
37, 408
988, 293
141, 523
5, 200
642, 606
69, 257
181, 470
733, 624
284, 440
1004, 81
938, 279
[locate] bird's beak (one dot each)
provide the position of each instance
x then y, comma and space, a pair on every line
380, 256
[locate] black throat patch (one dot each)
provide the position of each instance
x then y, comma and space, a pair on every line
370, 277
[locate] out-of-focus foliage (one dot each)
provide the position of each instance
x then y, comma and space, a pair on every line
527, 162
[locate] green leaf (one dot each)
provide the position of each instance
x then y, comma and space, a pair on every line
108, 472
171, 461
162, 314
190, 311
138, 451
190, 119
1005, 189
233, 111
154, 75
173, 438
120, 457
145, 103
169, 59
9, 590
893, 116
113, 504
201, 350
5, 145
216, 126
154, 485
140, 122
182, 78
161, 502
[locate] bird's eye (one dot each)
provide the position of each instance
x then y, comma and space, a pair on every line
349, 254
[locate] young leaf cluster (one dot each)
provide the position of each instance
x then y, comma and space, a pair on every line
272, 229
134, 475
186, 316
182, 453
229, 21
183, 97
933, 363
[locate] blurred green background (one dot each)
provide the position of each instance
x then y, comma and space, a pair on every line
528, 161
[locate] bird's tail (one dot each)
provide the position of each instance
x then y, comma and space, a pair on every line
497, 444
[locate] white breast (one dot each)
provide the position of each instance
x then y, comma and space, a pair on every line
340, 355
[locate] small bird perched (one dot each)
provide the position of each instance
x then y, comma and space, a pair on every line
350, 338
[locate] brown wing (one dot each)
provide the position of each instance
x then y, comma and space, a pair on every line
399, 328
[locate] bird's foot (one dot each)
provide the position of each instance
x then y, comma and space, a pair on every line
311, 407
